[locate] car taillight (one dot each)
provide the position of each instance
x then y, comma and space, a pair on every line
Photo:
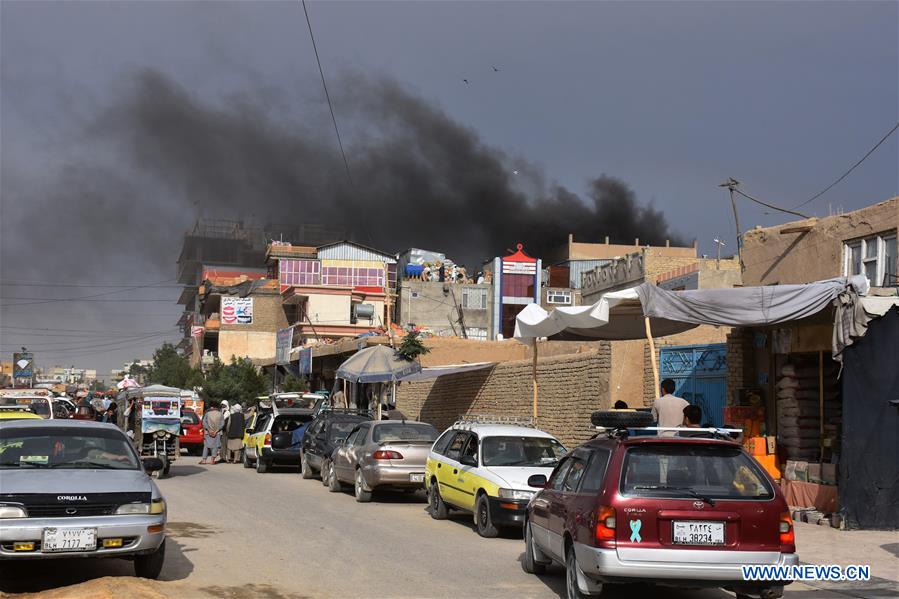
268, 439
605, 526
787, 535
387, 455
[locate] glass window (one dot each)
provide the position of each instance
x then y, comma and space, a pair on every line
575, 472
287, 424
442, 442
361, 436
556, 296
189, 418
455, 447
521, 451
555, 480
596, 471
339, 430
890, 268
471, 449
684, 471
874, 257
63, 448
413, 432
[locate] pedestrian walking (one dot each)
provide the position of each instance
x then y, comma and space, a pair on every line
235, 434
226, 416
668, 410
212, 433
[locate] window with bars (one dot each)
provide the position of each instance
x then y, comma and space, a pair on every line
874, 257
558, 296
299, 272
474, 299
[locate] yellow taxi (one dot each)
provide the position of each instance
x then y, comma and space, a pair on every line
481, 466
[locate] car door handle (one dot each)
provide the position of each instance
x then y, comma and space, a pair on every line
455, 471
438, 465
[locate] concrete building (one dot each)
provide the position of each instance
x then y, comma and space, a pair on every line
516, 282
446, 309
859, 242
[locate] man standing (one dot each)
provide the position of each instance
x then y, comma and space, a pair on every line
668, 410
212, 431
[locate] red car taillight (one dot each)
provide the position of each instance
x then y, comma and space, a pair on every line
387, 455
787, 534
268, 439
605, 526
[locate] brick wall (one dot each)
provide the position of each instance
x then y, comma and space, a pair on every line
571, 387
740, 363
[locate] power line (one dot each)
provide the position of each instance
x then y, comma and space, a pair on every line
84, 297
772, 206
327, 95
5, 326
8, 283
78, 299
852, 168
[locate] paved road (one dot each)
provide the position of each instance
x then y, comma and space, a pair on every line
234, 533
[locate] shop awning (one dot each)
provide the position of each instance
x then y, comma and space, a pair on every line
432, 372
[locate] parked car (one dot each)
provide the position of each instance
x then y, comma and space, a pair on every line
322, 436
271, 441
381, 454
483, 468
71, 488
682, 511
191, 437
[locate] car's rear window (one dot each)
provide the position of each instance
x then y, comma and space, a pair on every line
687, 471
189, 418
400, 432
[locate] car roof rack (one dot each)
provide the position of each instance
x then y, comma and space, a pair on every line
358, 411
469, 419
624, 432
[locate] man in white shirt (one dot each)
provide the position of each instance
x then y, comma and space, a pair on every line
668, 410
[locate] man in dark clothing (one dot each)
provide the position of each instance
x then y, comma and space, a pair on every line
692, 418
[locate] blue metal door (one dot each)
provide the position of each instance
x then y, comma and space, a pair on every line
699, 371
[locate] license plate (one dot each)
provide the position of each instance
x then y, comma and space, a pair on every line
698, 532
416, 478
57, 540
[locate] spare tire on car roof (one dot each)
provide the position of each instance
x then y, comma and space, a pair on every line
621, 418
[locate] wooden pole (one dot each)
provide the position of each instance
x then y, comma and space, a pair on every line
652, 356
534, 376
821, 401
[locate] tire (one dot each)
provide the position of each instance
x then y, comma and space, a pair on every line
362, 496
483, 520
164, 471
436, 505
305, 469
529, 564
621, 418
334, 484
261, 465
245, 460
150, 565
325, 472
571, 568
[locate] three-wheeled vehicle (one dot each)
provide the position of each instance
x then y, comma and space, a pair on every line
154, 419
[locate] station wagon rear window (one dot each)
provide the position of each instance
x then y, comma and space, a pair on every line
692, 471
521, 451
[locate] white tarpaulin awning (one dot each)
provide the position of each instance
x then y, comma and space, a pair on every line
432, 372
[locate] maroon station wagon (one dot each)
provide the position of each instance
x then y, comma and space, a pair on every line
674, 511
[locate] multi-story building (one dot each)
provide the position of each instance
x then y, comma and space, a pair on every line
446, 309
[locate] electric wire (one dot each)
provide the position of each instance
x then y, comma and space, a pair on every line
767, 205
83, 297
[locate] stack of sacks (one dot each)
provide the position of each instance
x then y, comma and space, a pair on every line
799, 412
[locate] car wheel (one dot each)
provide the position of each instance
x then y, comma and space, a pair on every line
572, 589
246, 460
438, 509
362, 496
150, 566
325, 471
164, 471
530, 564
261, 465
334, 484
305, 469
483, 519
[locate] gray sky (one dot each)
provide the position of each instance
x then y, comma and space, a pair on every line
669, 97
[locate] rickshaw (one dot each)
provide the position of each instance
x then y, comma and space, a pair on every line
154, 420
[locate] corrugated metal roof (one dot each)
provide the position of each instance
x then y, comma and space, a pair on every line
579, 267
349, 250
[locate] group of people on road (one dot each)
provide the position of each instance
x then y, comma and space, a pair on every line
223, 427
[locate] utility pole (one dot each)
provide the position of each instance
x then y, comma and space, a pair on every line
731, 184
718, 243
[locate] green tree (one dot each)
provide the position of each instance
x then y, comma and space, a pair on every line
172, 369
412, 347
237, 382
292, 383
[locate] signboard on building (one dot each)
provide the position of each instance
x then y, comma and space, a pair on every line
619, 273
237, 310
22, 365
196, 331
304, 362
283, 343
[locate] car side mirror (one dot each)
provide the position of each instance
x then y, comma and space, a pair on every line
467, 460
152, 464
538, 481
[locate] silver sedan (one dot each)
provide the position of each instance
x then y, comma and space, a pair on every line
381, 454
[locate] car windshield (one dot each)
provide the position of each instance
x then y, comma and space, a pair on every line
404, 432
189, 418
65, 448
688, 471
521, 451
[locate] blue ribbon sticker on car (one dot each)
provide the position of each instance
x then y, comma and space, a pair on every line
635, 530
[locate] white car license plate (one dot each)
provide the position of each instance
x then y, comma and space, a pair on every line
698, 532
69, 539
416, 478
